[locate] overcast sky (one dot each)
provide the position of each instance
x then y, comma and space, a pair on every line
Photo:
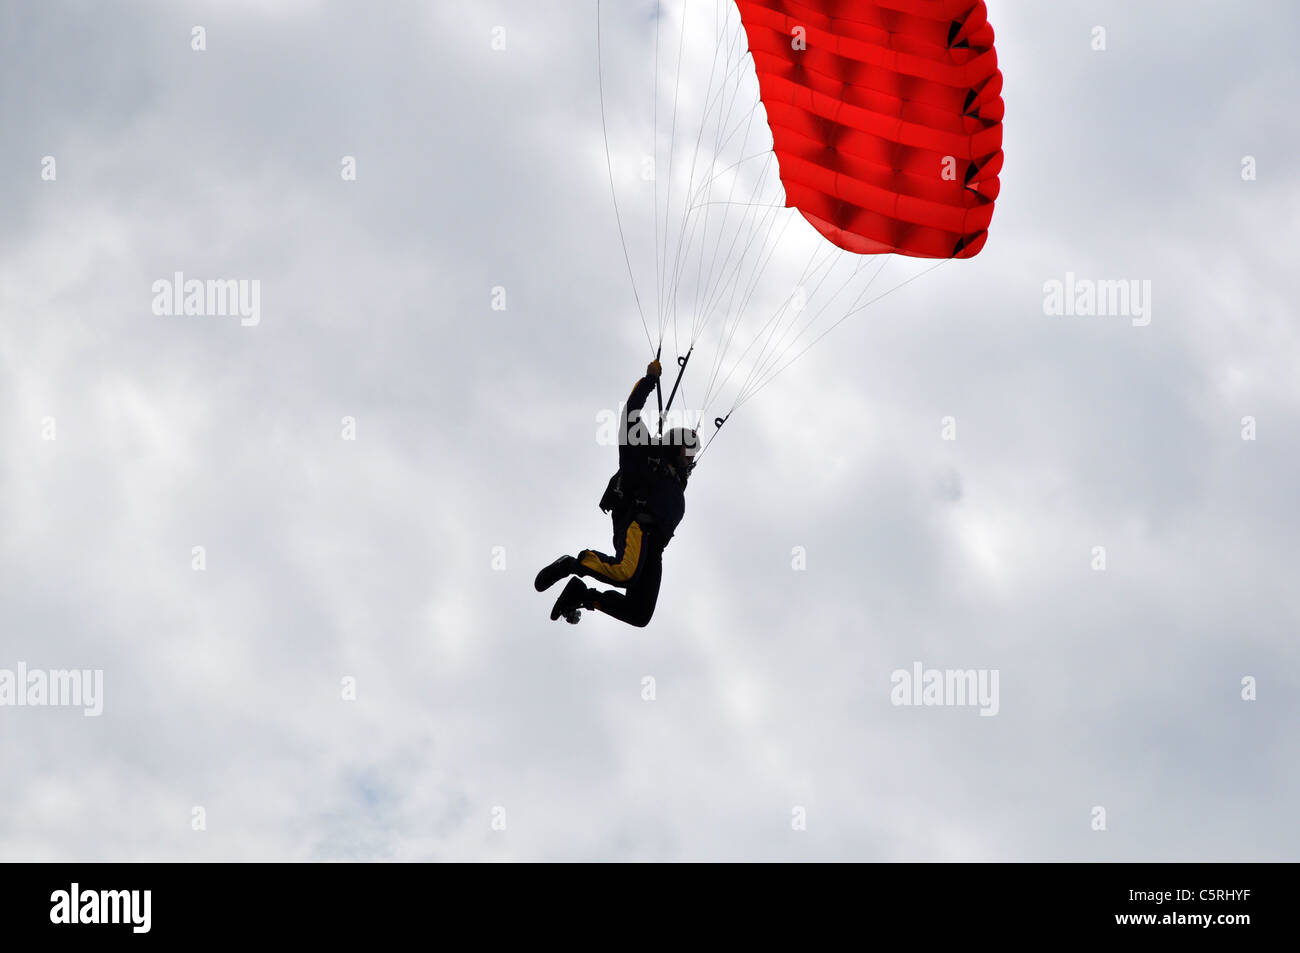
403, 559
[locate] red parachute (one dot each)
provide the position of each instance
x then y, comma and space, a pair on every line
886, 117
885, 122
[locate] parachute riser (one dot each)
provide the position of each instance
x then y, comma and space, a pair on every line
681, 369
659, 394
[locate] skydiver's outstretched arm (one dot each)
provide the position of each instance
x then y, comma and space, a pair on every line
636, 400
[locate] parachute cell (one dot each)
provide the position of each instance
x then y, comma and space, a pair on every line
886, 119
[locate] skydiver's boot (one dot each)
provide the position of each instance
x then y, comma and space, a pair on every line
564, 566
573, 597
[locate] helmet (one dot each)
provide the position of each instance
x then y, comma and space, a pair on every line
682, 437
682, 459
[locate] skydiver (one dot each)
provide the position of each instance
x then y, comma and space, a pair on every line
646, 499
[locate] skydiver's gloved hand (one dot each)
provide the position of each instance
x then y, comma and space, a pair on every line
653, 370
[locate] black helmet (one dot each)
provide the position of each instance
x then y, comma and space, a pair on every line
686, 443
682, 437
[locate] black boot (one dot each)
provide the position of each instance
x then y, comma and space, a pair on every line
564, 566
574, 596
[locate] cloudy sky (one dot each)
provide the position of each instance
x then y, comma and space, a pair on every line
139, 446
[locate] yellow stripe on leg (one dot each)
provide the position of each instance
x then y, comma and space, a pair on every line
619, 572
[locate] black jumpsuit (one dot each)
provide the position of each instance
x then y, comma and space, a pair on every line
646, 500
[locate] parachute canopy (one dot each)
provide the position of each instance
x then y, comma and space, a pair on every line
877, 122
886, 118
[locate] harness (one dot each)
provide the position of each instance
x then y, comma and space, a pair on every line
615, 500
